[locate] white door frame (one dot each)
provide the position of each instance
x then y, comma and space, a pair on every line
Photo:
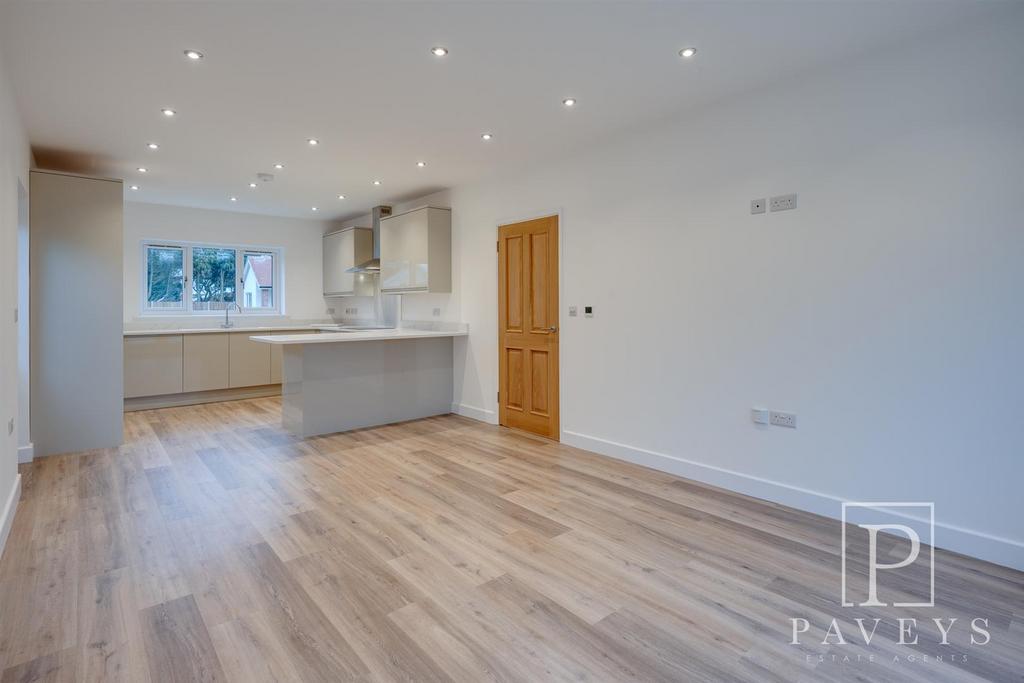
25, 449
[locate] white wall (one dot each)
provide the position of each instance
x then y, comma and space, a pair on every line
300, 239
15, 159
884, 311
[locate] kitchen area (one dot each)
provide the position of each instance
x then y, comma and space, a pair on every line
332, 375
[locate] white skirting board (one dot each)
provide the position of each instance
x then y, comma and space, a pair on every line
8, 512
1003, 551
25, 454
488, 416
996, 549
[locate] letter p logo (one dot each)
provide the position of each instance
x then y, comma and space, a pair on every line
892, 531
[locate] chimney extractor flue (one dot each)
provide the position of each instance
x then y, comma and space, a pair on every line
373, 265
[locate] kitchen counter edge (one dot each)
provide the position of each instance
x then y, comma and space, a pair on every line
368, 335
212, 330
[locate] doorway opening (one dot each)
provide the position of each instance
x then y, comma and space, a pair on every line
24, 436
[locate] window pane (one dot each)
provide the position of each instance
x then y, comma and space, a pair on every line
258, 280
165, 277
213, 278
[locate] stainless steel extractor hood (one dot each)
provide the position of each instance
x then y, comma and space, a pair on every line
373, 265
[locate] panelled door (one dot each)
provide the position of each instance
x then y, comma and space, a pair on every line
528, 326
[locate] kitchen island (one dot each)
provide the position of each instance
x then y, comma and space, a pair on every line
337, 381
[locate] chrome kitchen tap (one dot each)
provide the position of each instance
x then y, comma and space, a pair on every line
227, 323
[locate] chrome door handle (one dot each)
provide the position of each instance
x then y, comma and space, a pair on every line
552, 329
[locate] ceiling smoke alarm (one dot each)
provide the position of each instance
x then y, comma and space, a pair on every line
265, 177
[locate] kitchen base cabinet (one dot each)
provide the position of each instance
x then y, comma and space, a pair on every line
206, 361
249, 362
276, 361
164, 370
277, 356
152, 365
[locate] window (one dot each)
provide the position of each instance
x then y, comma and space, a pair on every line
198, 279
258, 279
213, 278
165, 278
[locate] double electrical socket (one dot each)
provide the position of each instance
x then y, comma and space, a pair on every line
763, 416
780, 419
783, 202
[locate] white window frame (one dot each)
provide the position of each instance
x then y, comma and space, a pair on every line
186, 308
144, 278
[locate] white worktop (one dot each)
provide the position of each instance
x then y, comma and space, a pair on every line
211, 330
363, 335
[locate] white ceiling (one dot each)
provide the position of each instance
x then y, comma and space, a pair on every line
91, 78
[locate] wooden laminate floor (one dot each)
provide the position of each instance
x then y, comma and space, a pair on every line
213, 546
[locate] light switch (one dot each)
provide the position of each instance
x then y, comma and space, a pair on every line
588, 311
572, 311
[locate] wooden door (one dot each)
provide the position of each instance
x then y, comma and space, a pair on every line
528, 326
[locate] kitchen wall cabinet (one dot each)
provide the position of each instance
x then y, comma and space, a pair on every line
416, 251
152, 365
248, 361
342, 250
206, 359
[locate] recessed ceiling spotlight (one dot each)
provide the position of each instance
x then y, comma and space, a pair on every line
252, 185
376, 182
569, 101
142, 169
234, 199
439, 51
278, 166
133, 188
194, 54
153, 145
341, 196
315, 209
421, 164
313, 142
168, 112
688, 52
486, 136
